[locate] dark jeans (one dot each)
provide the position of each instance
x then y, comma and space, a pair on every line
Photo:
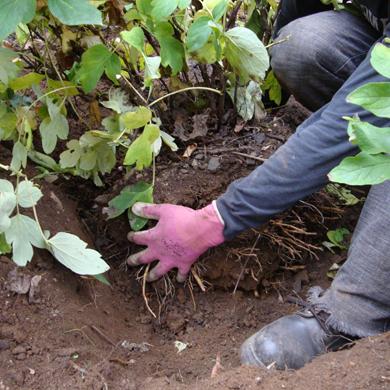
324, 49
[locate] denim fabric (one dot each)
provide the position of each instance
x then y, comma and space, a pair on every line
359, 298
322, 51
300, 166
324, 58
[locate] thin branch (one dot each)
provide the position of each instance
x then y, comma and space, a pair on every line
233, 15
144, 291
184, 90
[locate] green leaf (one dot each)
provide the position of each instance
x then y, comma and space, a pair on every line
51, 129
219, 9
271, 84
363, 169
140, 151
343, 194
26, 81
135, 37
75, 12
246, 54
28, 194
172, 50
139, 192
55, 84
136, 119
7, 206
117, 101
374, 97
22, 235
371, 139
248, 99
337, 237
380, 59
152, 66
169, 141
43, 160
198, 33
88, 160
6, 186
144, 7
8, 123
19, 156
106, 157
73, 253
4, 246
102, 279
8, 69
182, 4
13, 12
163, 9
94, 62
70, 158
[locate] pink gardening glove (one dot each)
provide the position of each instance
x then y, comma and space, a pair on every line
179, 238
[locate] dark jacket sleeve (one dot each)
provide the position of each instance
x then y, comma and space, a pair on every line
300, 166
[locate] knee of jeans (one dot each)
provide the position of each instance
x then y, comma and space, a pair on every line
297, 53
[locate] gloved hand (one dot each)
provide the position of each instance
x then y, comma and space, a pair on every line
179, 238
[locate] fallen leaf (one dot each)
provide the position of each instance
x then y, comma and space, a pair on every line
239, 126
190, 149
217, 366
180, 346
95, 116
18, 283
34, 289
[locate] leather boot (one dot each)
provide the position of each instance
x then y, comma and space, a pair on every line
291, 341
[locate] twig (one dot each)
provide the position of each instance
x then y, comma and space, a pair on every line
135, 90
249, 156
217, 366
198, 280
82, 332
102, 335
246, 263
144, 291
233, 15
192, 295
281, 139
184, 90
278, 42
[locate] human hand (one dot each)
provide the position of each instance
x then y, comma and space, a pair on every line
179, 238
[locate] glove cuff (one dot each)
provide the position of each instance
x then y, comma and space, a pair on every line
214, 204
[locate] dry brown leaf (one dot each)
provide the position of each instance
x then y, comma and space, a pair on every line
95, 116
190, 149
217, 366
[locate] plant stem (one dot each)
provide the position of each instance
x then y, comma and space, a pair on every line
154, 170
47, 94
135, 90
278, 42
184, 90
5, 167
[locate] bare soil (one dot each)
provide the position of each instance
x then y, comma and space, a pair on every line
77, 333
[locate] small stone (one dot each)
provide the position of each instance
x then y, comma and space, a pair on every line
4, 345
199, 156
103, 199
259, 138
19, 349
213, 164
21, 356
